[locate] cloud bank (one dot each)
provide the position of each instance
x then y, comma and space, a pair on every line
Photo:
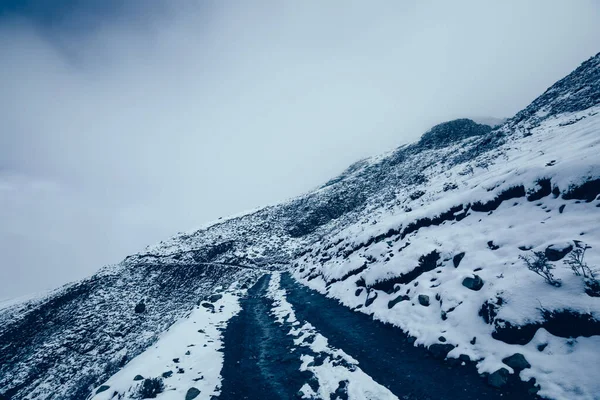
124, 123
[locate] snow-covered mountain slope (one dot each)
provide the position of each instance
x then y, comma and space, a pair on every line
427, 237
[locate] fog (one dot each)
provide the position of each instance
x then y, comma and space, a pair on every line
122, 123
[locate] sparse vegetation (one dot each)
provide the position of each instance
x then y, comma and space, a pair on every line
576, 262
538, 263
581, 268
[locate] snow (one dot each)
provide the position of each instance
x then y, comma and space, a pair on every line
338, 366
195, 341
565, 153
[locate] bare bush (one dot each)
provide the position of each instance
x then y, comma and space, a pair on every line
538, 263
581, 268
576, 262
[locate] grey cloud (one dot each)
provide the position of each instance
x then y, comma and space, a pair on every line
155, 120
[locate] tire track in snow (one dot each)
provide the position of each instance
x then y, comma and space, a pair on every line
386, 354
259, 359
335, 375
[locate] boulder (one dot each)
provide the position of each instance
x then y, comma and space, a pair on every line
138, 378
499, 378
517, 361
440, 350
167, 374
424, 300
556, 252
474, 283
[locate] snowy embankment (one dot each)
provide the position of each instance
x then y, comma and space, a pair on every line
334, 367
186, 360
446, 267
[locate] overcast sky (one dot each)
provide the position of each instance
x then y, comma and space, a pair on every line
124, 122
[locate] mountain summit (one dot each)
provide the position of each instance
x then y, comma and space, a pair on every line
465, 265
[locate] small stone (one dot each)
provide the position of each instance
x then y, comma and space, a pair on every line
138, 378
176, 360
442, 339
424, 300
457, 259
167, 374
215, 297
192, 393
397, 300
187, 353
140, 308
542, 346
517, 361
474, 283
102, 388
473, 341
358, 292
370, 299
499, 378
439, 350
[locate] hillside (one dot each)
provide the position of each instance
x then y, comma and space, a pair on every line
432, 237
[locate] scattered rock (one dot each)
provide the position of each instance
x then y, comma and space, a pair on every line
492, 246
473, 341
370, 299
474, 283
358, 292
210, 306
499, 378
215, 297
341, 392
442, 339
424, 300
397, 300
457, 259
102, 388
464, 357
140, 308
167, 374
439, 350
561, 208
151, 388
556, 252
192, 393
517, 362
542, 346
176, 360
187, 353
138, 378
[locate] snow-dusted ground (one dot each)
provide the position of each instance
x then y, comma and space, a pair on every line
337, 365
564, 150
188, 353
